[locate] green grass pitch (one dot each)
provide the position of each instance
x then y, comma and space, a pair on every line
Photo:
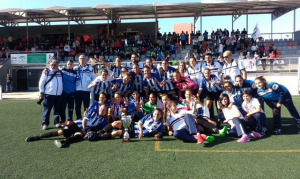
271, 157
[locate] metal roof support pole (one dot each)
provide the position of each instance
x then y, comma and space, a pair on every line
232, 22
247, 22
195, 20
201, 24
69, 31
156, 24
108, 27
294, 24
271, 26
27, 31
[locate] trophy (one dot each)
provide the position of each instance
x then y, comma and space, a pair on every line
126, 121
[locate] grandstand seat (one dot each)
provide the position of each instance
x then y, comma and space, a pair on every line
111, 58
106, 57
143, 57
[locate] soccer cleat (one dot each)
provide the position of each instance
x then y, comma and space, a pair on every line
58, 143
223, 131
57, 125
255, 135
63, 124
30, 139
244, 139
210, 139
44, 127
277, 131
200, 139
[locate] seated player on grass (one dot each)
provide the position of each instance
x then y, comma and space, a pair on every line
116, 108
135, 103
184, 126
237, 122
95, 118
149, 125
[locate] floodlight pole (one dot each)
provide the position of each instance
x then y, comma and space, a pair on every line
156, 24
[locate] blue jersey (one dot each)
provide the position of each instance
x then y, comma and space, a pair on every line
154, 70
150, 127
122, 88
131, 109
93, 118
116, 72
103, 86
153, 83
167, 76
137, 83
208, 86
273, 92
69, 80
117, 109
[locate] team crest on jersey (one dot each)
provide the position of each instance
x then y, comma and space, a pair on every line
275, 86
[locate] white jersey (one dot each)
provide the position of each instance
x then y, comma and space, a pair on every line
196, 74
233, 69
215, 68
253, 105
176, 122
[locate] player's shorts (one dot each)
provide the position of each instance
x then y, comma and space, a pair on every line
71, 129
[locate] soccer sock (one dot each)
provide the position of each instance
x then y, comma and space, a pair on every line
73, 139
49, 134
107, 128
211, 112
106, 136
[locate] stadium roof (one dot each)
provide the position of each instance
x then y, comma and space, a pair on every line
11, 17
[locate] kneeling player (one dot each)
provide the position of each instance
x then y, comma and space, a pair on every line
150, 125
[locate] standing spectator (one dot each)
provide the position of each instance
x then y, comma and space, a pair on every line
232, 67
85, 75
272, 58
183, 40
67, 50
51, 90
8, 83
205, 35
261, 50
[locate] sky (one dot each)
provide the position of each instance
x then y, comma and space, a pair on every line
280, 25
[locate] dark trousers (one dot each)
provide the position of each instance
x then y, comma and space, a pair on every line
289, 104
67, 99
187, 133
81, 96
257, 122
49, 102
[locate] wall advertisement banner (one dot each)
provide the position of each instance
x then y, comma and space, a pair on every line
31, 58
18, 59
250, 65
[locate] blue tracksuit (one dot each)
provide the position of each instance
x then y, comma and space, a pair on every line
274, 93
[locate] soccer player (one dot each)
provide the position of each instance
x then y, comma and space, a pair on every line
137, 79
182, 83
184, 126
276, 95
236, 121
150, 125
95, 116
115, 68
122, 86
214, 66
101, 84
166, 73
116, 108
152, 82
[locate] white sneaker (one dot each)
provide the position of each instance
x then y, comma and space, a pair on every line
57, 125
44, 127
57, 143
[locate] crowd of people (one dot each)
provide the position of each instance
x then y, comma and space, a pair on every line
161, 101
166, 44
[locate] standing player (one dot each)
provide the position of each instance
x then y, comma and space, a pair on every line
276, 95
214, 66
